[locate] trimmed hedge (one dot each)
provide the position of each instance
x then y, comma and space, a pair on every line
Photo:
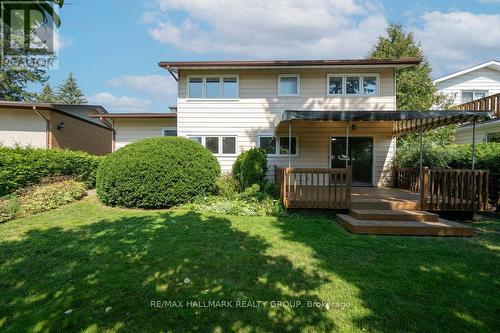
20, 167
250, 168
456, 156
157, 173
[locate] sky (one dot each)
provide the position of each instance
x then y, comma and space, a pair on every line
113, 46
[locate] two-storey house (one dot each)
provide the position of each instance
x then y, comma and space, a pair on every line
231, 106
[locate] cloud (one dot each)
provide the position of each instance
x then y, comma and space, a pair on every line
456, 40
269, 29
159, 86
114, 103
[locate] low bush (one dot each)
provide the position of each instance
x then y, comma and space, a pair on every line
227, 186
157, 173
21, 167
250, 168
40, 198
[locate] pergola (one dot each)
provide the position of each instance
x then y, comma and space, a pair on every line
404, 122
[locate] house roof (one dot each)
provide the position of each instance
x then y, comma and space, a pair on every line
51, 106
137, 115
356, 63
492, 64
404, 122
85, 113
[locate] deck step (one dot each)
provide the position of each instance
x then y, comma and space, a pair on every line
393, 215
385, 204
416, 228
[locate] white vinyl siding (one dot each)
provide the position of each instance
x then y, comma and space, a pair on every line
129, 130
482, 80
464, 134
259, 106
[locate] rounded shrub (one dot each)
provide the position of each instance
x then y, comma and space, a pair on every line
157, 173
250, 168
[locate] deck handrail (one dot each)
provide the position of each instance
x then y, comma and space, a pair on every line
491, 103
314, 187
447, 189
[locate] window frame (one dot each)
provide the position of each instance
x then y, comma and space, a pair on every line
297, 76
220, 145
473, 91
204, 87
277, 145
168, 128
361, 77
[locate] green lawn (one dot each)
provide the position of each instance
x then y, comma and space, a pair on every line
86, 257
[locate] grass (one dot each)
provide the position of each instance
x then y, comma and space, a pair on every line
85, 257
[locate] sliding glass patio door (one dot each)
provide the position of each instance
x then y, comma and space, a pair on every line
360, 158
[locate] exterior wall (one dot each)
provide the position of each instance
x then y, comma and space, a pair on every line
132, 129
259, 106
315, 140
481, 79
22, 128
78, 134
464, 134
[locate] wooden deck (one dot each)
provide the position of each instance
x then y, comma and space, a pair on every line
391, 211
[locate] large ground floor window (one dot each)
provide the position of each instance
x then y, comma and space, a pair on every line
217, 144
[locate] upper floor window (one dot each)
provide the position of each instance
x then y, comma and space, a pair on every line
472, 95
288, 85
353, 84
213, 87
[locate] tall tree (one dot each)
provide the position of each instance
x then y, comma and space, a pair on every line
414, 87
14, 82
47, 95
69, 92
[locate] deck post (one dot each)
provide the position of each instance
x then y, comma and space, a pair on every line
473, 144
347, 144
289, 143
422, 205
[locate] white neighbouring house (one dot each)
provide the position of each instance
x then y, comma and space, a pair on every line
471, 84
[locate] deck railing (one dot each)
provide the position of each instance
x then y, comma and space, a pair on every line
314, 187
491, 103
407, 179
447, 189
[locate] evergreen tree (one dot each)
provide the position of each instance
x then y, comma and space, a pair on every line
47, 95
15, 81
414, 87
70, 93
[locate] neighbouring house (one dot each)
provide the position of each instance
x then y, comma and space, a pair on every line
51, 126
475, 88
130, 127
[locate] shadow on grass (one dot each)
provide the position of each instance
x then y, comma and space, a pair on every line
410, 284
127, 263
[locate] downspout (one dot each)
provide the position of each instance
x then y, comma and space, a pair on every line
347, 144
47, 128
113, 143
